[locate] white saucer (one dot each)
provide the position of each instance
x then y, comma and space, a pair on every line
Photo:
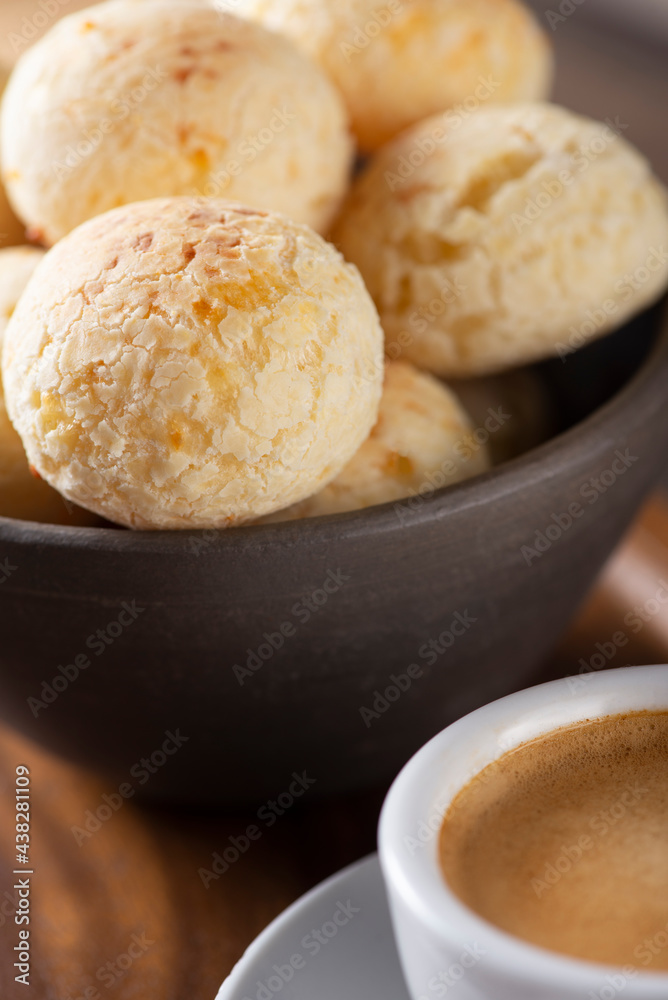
357, 961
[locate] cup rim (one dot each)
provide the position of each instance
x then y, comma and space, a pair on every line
416, 877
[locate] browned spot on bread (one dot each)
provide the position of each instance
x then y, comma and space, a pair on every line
400, 465
34, 234
88, 26
202, 310
34, 472
189, 252
110, 265
201, 215
91, 289
184, 74
226, 245
207, 313
143, 242
200, 159
240, 210
183, 133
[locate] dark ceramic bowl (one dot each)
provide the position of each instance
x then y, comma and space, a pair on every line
335, 646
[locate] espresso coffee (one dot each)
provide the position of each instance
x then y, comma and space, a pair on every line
564, 841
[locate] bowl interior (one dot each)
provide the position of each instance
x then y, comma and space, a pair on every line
590, 377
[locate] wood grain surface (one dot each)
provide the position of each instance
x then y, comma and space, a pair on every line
124, 913
136, 883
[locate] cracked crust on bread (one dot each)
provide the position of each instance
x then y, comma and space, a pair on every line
523, 232
192, 363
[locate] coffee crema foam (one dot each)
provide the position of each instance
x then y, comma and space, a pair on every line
564, 841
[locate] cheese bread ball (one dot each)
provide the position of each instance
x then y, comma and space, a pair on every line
127, 101
515, 407
400, 61
12, 230
192, 363
522, 233
421, 442
22, 494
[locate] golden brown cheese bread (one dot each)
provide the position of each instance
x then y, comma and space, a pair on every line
126, 101
522, 232
192, 363
399, 61
22, 494
423, 440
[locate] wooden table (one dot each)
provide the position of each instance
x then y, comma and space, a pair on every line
135, 883
134, 887
124, 913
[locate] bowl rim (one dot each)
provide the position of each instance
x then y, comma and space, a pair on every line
612, 420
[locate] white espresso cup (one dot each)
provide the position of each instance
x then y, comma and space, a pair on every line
446, 949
